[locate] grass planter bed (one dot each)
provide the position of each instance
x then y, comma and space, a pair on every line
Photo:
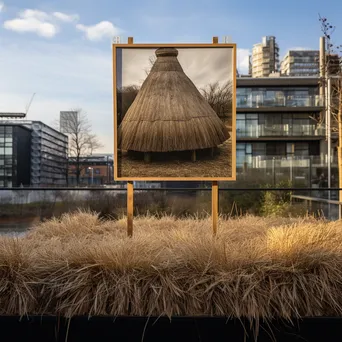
260, 271
155, 329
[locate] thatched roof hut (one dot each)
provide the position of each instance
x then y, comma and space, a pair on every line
169, 113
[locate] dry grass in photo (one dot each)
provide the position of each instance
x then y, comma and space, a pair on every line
255, 268
178, 164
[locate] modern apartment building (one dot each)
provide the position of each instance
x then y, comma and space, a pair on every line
32, 154
276, 122
300, 63
265, 57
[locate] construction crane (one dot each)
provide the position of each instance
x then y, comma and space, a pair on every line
29, 104
16, 115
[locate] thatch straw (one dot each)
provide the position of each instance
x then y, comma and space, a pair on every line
255, 268
169, 113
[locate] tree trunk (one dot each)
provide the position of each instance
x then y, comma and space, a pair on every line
78, 173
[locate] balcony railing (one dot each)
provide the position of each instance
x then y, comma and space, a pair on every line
283, 162
244, 101
259, 131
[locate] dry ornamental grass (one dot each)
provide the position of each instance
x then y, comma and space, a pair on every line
255, 268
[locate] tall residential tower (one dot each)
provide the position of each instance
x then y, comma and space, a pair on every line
265, 57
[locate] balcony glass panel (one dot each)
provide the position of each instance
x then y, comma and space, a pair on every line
270, 125
259, 131
278, 97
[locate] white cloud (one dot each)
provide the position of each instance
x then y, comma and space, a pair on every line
32, 21
62, 79
66, 17
99, 31
39, 22
243, 60
43, 29
2, 6
36, 14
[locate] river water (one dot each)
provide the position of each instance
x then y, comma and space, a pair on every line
15, 228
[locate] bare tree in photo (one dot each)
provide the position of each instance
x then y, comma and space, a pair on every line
151, 60
127, 94
220, 98
82, 141
125, 97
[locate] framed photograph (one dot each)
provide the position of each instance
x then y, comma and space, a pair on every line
174, 112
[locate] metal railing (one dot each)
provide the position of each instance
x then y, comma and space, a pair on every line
259, 131
22, 208
329, 211
244, 101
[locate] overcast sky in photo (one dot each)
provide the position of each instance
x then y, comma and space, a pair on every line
201, 65
61, 49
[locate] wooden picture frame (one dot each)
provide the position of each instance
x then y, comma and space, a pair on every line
213, 45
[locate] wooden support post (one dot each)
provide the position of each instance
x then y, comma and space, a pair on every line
193, 156
147, 157
130, 209
212, 152
215, 40
130, 40
214, 206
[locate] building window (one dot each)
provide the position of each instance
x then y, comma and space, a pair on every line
8, 150
243, 154
302, 149
97, 171
276, 149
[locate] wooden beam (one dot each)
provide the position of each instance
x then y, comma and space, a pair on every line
130, 209
147, 157
130, 40
193, 156
215, 40
214, 206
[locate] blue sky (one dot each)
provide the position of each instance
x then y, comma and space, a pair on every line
62, 49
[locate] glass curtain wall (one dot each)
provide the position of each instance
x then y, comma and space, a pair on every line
6, 156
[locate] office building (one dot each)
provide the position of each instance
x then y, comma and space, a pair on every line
15, 155
68, 121
300, 63
32, 154
96, 169
265, 57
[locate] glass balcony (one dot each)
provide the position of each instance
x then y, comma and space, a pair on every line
260, 131
243, 101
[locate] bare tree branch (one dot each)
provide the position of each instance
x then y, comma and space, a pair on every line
220, 98
82, 142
